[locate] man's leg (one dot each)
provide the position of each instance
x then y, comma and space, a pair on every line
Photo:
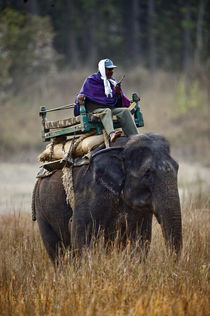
126, 121
106, 119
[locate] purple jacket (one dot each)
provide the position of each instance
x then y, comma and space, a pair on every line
93, 89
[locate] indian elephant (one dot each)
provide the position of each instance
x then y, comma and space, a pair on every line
120, 189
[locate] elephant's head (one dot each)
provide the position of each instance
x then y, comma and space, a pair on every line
144, 173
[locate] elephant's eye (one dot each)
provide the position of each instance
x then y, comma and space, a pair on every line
148, 174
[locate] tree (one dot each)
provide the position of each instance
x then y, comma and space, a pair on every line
152, 39
199, 34
132, 30
136, 30
161, 33
32, 6
26, 46
187, 36
71, 38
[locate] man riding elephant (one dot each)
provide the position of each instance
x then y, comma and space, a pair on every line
103, 95
120, 188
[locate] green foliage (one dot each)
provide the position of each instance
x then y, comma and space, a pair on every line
25, 46
86, 31
189, 96
181, 96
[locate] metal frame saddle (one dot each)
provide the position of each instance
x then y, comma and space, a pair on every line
75, 126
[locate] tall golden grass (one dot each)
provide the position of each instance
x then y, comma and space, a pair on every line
101, 282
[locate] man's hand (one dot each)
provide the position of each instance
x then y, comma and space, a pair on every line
117, 89
81, 98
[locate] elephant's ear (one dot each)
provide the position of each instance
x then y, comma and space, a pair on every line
108, 169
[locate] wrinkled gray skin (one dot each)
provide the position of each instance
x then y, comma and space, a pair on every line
120, 190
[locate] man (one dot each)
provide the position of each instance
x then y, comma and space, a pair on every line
102, 94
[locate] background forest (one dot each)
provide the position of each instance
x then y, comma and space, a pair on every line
47, 48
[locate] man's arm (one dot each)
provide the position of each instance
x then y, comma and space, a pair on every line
117, 89
80, 98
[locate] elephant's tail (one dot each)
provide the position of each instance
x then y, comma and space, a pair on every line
33, 202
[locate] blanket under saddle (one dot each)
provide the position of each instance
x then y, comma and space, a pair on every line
59, 151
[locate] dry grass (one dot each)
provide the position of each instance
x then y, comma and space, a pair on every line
117, 282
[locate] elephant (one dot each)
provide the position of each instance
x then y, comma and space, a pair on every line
120, 189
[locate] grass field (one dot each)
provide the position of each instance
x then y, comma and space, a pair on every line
114, 282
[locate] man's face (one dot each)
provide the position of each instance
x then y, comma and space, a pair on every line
109, 72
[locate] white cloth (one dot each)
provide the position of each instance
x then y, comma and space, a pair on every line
107, 86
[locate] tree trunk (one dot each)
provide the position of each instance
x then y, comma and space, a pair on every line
136, 30
92, 39
72, 43
199, 34
32, 7
152, 40
187, 39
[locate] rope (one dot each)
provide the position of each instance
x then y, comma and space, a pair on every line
51, 150
106, 139
33, 202
81, 138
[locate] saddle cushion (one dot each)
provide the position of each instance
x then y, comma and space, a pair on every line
62, 123
58, 151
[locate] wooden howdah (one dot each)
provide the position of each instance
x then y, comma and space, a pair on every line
76, 126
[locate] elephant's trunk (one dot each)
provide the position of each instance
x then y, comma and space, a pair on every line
168, 212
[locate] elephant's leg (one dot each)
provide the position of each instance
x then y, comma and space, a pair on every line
51, 241
145, 232
141, 231
81, 232
86, 223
